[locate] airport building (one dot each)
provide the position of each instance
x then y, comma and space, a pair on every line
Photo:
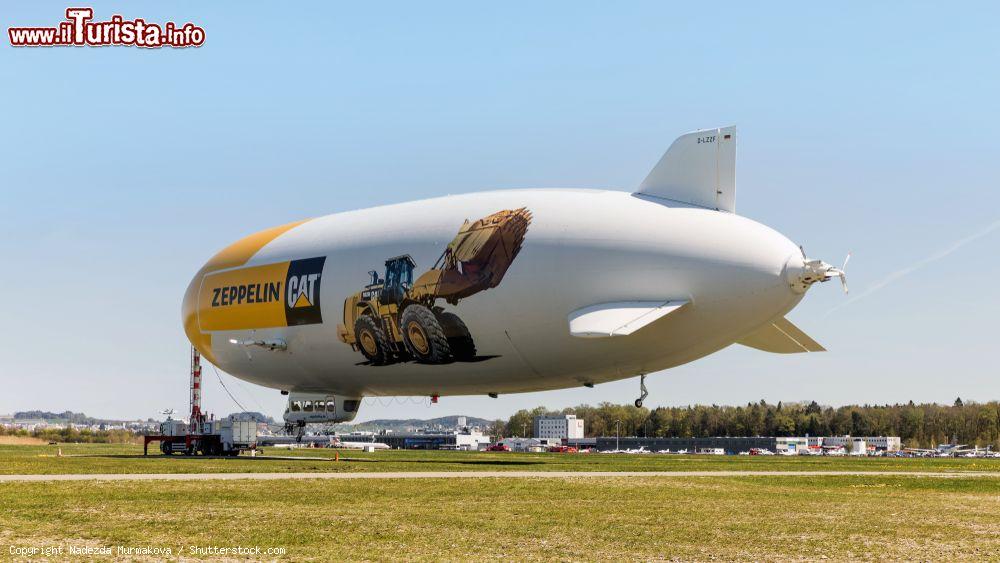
470, 440
559, 427
791, 445
734, 445
530, 444
887, 443
731, 445
878, 443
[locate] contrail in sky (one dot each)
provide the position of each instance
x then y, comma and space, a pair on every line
919, 264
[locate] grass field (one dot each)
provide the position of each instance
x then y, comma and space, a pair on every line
103, 458
689, 518
564, 519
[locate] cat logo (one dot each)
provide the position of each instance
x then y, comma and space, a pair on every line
302, 287
300, 292
266, 296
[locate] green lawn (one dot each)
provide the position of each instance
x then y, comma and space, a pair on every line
759, 518
101, 458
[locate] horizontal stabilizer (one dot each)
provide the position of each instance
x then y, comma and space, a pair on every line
619, 319
699, 168
781, 337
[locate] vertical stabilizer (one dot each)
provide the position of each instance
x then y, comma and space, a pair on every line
699, 168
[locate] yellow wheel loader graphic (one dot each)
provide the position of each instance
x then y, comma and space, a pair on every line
395, 318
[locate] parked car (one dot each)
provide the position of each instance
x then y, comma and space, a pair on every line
498, 448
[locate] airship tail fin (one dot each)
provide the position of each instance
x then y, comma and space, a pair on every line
699, 169
781, 337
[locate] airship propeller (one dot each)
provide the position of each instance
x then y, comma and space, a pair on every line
842, 273
819, 271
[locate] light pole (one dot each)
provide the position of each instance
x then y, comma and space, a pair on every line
523, 431
618, 424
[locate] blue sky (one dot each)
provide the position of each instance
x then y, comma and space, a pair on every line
864, 127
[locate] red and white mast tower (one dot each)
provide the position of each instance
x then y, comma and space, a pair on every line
196, 416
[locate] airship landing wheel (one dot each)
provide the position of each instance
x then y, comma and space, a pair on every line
644, 392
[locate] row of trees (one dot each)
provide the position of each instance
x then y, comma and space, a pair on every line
923, 425
72, 435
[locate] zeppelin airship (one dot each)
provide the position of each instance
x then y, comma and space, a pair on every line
504, 291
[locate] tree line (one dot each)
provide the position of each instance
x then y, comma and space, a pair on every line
72, 435
919, 425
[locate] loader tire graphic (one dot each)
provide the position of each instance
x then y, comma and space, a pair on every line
424, 336
371, 340
463, 348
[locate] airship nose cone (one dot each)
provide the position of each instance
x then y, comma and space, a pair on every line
795, 273
189, 316
233, 256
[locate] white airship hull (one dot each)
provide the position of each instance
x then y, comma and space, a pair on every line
582, 248
504, 292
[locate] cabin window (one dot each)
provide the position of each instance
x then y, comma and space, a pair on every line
307, 406
296, 406
351, 405
331, 406
320, 406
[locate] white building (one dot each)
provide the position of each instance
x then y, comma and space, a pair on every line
471, 440
530, 444
791, 445
887, 443
559, 427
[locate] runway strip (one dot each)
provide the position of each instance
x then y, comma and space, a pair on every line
479, 475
